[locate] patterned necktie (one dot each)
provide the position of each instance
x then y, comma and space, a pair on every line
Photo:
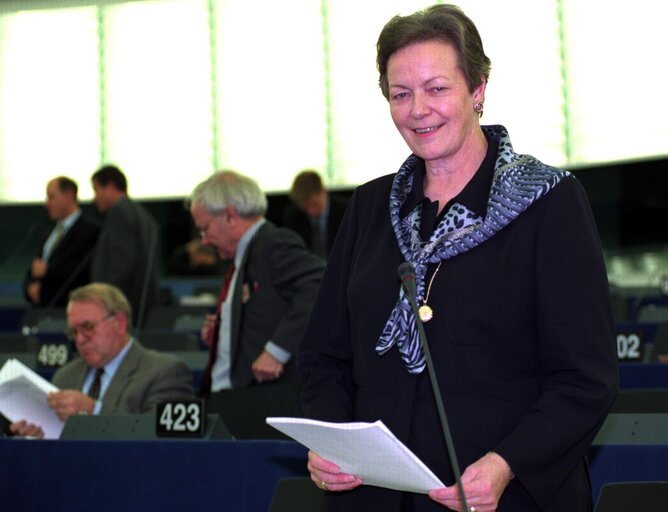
213, 347
94, 391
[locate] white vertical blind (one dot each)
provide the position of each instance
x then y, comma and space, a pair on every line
172, 89
524, 93
366, 143
616, 54
158, 95
48, 99
271, 89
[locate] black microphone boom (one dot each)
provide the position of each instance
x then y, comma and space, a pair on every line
406, 273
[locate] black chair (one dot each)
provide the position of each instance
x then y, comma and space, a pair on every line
659, 352
18, 346
621, 310
41, 321
169, 341
642, 400
653, 313
15, 342
298, 494
176, 318
633, 497
245, 410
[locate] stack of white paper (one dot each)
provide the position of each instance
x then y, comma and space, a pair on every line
23, 396
367, 450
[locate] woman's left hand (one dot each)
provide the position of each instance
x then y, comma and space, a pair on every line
483, 481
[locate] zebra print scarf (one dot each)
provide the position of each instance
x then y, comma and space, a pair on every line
519, 180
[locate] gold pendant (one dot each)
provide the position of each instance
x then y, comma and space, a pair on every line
425, 313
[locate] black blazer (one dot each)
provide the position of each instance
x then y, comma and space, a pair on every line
296, 220
275, 288
70, 260
522, 340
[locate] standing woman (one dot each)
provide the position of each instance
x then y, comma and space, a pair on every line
513, 289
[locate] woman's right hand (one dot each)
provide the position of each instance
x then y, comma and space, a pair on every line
328, 476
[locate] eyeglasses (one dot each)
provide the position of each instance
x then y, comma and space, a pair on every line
85, 328
203, 231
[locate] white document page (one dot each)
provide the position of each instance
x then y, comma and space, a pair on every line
23, 395
367, 450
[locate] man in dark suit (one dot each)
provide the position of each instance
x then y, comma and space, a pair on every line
115, 374
63, 260
315, 213
273, 282
127, 251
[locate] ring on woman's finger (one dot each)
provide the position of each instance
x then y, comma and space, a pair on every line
323, 486
473, 509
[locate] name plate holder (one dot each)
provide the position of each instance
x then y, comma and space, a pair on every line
631, 346
52, 354
181, 418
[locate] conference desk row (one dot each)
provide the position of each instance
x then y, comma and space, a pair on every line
230, 476
631, 375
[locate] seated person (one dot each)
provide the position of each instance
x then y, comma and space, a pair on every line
115, 373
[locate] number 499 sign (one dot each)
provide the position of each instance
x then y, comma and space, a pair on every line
180, 418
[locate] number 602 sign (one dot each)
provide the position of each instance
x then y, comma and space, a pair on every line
180, 418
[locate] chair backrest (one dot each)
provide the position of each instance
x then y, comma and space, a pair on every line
641, 400
176, 318
15, 342
653, 313
298, 494
169, 341
245, 410
633, 497
44, 321
18, 346
660, 348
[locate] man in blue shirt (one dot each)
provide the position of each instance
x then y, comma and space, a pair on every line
115, 374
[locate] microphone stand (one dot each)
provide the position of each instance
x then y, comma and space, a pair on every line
407, 275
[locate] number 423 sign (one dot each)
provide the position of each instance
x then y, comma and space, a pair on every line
180, 418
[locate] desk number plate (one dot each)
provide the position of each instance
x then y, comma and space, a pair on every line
630, 346
53, 355
180, 418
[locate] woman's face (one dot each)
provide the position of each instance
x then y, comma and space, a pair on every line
430, 103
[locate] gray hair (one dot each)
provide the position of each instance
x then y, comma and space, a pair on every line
229, 188
105, 295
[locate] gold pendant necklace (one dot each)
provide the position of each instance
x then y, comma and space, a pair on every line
425, 312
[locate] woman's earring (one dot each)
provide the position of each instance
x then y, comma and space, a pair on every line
478, 107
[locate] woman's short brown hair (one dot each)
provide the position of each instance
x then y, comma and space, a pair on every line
446, 23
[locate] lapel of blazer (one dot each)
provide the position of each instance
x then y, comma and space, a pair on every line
79, 372
122, 378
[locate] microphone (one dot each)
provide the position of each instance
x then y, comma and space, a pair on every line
406, 273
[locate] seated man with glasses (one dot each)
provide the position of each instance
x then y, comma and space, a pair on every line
114, 374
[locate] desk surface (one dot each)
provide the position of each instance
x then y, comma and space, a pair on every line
146, 476
230, 476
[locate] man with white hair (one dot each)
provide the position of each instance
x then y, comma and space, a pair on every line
272, 282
